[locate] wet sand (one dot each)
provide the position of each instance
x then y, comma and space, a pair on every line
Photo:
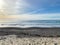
33, 31
29, 36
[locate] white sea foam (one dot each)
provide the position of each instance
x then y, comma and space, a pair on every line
27, 25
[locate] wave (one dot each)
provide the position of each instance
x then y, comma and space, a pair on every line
33, 23
29, 25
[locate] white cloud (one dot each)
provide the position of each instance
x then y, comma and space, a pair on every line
13, 6
22, 6
25, 17
41, 16
38, 16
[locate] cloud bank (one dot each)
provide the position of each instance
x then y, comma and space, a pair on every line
29, 10
33, 17
18, 7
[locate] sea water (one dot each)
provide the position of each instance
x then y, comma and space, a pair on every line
33, 23
41, 23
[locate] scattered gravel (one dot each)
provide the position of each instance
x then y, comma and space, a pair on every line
14, 40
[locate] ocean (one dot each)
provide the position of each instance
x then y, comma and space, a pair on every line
41, 23
33, 23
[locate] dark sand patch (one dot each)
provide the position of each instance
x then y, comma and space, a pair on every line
33, 31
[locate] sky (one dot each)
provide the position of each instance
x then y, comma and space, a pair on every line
30, 9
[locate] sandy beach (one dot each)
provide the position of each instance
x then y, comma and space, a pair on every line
14, 40
29, 36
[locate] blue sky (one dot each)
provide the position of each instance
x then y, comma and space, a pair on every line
38, 9
49, 9
40, 6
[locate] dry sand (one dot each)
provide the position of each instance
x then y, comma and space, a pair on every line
14, 40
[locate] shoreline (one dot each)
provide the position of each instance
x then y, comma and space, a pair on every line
32, 31
29, 36
29, 27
